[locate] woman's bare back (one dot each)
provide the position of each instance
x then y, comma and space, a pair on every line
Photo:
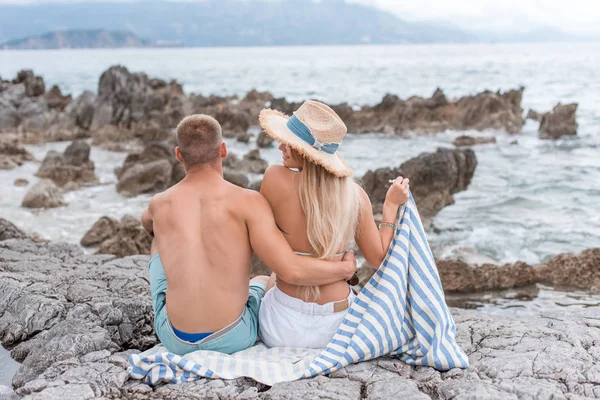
280, 188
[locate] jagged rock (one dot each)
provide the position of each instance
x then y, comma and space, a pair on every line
483, 111
130, 239
464, 141
102, 230
72, 167
458, 276
71, 315
55, 99
534, 115
111, 134
560, 122
152, 131
581, 270
9, 231
34, 85
12, 155
44, 194
434, 178
152, 177
125, 98
21, 182
264, 140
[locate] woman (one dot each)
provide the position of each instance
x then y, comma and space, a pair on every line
319, 209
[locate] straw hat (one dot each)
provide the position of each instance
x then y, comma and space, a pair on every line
315, 131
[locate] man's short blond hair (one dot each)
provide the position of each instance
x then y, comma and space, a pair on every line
199, 138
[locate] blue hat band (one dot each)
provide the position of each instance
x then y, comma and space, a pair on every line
299, 129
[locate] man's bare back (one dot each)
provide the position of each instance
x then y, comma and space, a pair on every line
202, 238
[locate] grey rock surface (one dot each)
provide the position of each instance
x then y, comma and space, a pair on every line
73, 319
560, 122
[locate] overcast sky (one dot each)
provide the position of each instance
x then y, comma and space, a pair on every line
574, 16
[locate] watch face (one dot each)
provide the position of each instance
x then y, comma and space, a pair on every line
354, 280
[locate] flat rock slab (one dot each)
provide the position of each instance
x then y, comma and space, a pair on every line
73, 319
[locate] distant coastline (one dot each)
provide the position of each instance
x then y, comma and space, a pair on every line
85, 39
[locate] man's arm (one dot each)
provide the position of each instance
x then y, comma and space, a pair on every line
272, 248
147, 221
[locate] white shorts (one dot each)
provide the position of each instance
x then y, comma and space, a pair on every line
285, 321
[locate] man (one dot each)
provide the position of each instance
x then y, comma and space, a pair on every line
205, 230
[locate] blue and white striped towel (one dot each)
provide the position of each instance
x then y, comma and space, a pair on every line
400, 312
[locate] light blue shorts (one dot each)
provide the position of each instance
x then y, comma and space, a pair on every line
237, 336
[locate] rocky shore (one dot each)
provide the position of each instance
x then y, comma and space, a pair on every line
72, 320
130, 106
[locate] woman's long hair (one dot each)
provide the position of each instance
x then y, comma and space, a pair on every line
331, 205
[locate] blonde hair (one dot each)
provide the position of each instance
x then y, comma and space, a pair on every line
331, 205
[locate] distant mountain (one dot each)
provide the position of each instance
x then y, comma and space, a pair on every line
78, 39
226, 22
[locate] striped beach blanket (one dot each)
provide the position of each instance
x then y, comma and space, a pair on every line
400, 312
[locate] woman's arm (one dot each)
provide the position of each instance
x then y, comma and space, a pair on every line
374, 243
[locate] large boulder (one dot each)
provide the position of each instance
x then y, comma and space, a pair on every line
152, 177
73, 167
44, 194
560, 122
250, 163
103, 229
125, 98
434, 178
130, 239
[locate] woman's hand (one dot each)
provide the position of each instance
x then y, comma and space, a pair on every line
398, 193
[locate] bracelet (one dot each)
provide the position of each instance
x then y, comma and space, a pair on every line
386, 224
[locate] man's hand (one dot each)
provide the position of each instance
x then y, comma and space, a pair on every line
349, 264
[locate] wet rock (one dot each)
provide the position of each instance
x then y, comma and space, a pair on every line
464, 141
152, 177
243, 137
458, 276
560, 122
102, 230
264, 140
582, 270
21, 182
34, 85
44, 194
534, 115
233, 122
72, 167
9, 231
434, 178
12, 154
56, 100
130, 239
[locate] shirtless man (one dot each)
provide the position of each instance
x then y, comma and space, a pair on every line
205, 230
